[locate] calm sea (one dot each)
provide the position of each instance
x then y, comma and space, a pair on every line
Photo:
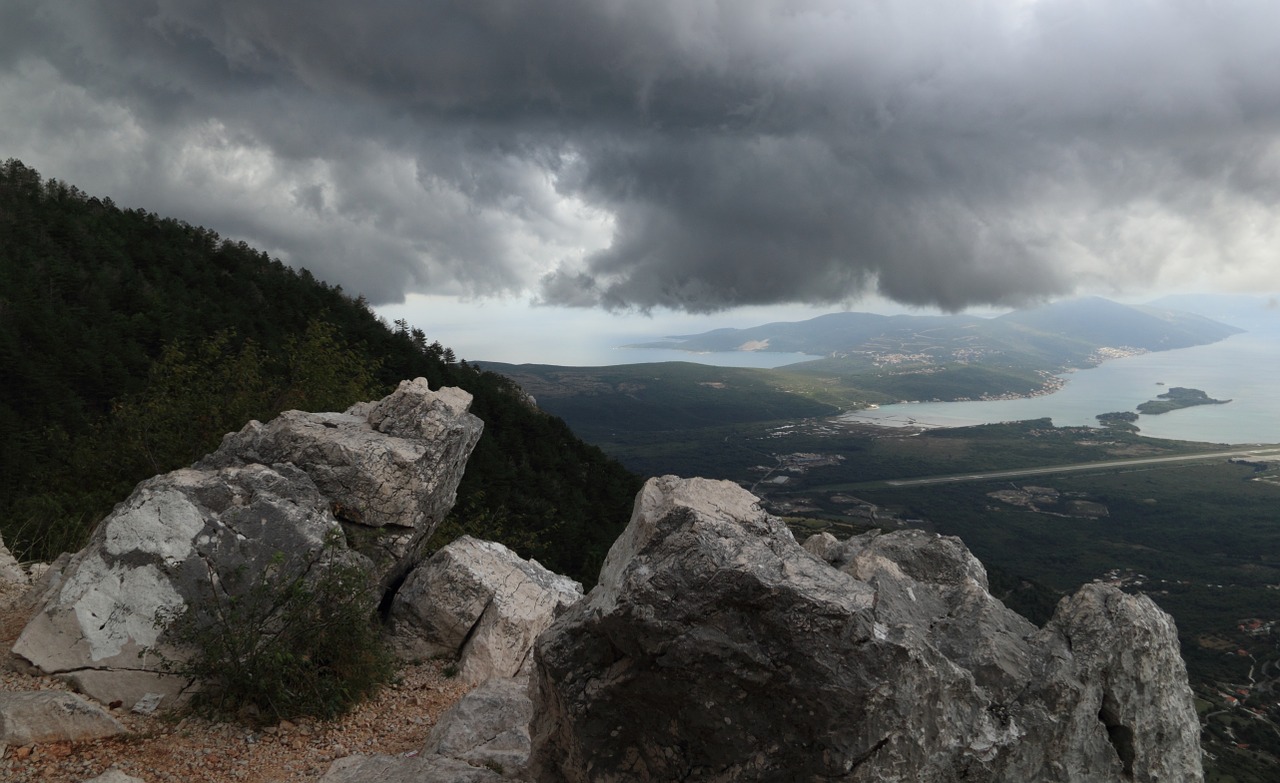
1244, 368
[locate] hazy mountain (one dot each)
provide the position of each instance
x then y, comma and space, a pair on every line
1065, 333
868, 359
1255, 313
1105, 323
824, 335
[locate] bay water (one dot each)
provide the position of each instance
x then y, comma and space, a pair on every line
1244, 368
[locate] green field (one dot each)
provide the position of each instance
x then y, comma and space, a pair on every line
1201, 537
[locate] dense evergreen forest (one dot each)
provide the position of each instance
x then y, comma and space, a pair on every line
130, 343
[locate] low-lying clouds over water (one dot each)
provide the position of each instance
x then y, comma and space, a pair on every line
677, 154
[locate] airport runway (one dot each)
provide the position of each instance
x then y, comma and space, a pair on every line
1263, 452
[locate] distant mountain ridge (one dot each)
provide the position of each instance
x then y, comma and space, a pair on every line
821, 336
1067, 333
1256, 313
1108, 323
867, 359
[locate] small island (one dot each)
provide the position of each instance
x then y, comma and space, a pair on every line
1176, 398
1123, 420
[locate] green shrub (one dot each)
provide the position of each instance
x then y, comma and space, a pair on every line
300, 639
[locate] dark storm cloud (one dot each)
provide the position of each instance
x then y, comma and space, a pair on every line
722, 153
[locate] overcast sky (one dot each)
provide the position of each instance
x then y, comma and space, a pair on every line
677, 156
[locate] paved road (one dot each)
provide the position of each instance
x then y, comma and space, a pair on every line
1107, 464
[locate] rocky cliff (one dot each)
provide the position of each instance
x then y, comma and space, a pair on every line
716, 648
378, 479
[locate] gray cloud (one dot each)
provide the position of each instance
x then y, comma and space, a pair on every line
682, 153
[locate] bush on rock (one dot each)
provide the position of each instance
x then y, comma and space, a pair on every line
301, 639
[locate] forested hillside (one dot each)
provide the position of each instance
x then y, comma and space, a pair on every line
130, 343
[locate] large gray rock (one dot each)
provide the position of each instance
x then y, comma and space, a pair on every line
397, 769
114, 775
715, 648
374, 481
487, 727
153, 557
389, 470
13, 579
32, 717
932, 592
1111, 658
481, 602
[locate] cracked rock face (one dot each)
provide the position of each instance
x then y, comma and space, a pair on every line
398, 769
715, 648
153, 556
52, 716
481, 602
488, 727
171, 543
1110, 658
13, 579
389, 469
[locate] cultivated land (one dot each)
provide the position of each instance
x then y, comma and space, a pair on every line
867, 359
1104, 465
1047, 509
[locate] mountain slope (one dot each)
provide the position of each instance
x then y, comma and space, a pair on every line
1106, 323
1055, 336
824, 335
129, 343
1255, 313
674, 396
868, 359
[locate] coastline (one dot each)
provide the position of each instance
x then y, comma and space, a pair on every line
1244, 368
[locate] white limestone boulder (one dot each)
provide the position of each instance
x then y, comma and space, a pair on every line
489, 726
1111, 675
389, 469
172, 543
14, 580
481, 602
370, 484
34, 717
715, 648
398, 769
114, 775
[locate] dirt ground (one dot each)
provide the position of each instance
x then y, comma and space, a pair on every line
194, 750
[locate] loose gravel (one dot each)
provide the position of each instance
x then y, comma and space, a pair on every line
191, 749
